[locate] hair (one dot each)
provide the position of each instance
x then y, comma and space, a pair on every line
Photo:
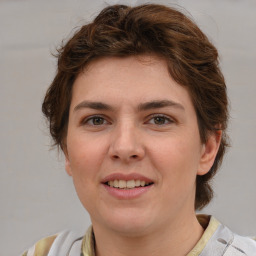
121, 31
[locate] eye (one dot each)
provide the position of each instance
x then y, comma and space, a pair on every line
95, 121
160, 120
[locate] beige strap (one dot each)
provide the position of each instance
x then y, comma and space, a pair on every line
31, 251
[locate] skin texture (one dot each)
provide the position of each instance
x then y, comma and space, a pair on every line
162, 144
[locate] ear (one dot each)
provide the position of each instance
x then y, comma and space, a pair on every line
67, 161
209, 152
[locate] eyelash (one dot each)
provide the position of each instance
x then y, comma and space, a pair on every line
166, 118
151, 117
91, 118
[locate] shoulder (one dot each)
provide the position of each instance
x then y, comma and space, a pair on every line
245, 244
41, 247
227, 243
62, 243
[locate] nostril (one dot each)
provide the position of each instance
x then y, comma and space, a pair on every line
134, 156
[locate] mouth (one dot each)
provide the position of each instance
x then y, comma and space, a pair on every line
128, 184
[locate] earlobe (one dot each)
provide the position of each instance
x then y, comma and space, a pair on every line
209, 152
67, 166
67, 162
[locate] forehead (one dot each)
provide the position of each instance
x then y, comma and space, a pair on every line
130, 68
129, 79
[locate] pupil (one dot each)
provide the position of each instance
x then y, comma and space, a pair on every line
159, 120
97, 121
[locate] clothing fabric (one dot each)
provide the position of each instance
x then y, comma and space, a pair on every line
217, 240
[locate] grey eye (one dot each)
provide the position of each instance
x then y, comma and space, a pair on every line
97, 120
160, 120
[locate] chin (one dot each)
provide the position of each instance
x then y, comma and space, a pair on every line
130, 223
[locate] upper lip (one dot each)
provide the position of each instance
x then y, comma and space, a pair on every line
126, 177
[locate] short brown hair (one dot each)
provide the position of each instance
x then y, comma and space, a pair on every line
123, 31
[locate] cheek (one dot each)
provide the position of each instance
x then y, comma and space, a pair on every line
85, 157
176, 159
85, 162
85, 151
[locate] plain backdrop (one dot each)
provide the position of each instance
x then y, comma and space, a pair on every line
37, 197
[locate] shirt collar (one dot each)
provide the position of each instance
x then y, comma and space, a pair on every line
209, 223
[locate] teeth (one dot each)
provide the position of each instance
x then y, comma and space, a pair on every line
130, 184
116, 184
137, 183
127, 184
122, 183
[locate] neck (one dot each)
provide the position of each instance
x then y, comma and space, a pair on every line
177, 239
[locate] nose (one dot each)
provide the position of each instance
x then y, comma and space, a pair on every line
126, 143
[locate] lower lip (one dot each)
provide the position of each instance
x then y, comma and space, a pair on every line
131, 193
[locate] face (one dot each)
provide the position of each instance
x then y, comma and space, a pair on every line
133, 146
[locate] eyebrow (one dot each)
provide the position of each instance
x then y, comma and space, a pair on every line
93, 105
155, 104
159, 104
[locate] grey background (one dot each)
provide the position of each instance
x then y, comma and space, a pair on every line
37, 198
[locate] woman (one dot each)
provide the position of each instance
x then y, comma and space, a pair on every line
139, 108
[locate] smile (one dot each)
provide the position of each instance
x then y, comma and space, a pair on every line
129, 184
